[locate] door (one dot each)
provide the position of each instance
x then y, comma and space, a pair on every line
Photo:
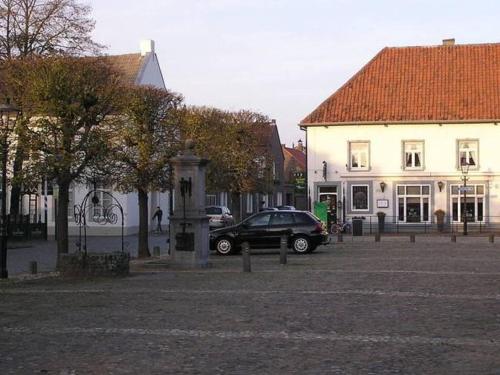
254, 230
280, 222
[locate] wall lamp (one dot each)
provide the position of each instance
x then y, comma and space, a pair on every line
440, 185
382, 186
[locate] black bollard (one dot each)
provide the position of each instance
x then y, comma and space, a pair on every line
283, 249
245, 249
33, 268
492, 238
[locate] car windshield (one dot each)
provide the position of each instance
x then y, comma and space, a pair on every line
213, 210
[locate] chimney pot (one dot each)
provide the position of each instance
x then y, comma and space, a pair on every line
449, 42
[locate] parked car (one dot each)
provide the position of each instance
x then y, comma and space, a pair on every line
264, 229
220, 216
287, 208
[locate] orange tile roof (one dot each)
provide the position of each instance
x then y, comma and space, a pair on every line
299, 156
405, 84
129, 64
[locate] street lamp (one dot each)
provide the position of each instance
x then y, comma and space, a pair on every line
8, 118
465, 170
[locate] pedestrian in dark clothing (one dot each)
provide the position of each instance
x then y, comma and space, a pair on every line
158, 215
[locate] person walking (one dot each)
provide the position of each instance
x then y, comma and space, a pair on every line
158, 215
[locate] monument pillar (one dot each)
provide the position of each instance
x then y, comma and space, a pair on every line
189, 222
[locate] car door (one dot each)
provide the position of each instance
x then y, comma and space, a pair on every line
281, 221
254, 229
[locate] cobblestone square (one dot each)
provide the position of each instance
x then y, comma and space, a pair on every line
357, 307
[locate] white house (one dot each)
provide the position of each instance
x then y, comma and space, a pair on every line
392, 139
141, 69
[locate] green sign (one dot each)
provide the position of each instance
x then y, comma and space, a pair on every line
321, 211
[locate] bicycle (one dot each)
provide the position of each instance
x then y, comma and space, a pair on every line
337, 228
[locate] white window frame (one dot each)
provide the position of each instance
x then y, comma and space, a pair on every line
420, 150
249, 203
210, 199
367, 198
279, 198
460, 197
97, 212
359, 154
223, 199
405, 196
462, 148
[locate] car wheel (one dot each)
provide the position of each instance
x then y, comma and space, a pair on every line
301, 245
224, 246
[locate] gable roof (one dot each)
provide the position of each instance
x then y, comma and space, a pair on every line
298, 156
130, 65
419, 84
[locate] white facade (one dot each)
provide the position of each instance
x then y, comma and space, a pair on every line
419, 164
149, 73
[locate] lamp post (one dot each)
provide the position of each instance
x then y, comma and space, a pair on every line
8, 118
465, 170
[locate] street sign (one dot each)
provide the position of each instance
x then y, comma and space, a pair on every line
466, 189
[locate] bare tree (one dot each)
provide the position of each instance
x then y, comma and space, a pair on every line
45, 27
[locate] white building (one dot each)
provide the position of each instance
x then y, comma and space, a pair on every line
393, 138
141, 69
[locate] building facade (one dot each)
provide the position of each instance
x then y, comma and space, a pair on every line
397, 137
140, 69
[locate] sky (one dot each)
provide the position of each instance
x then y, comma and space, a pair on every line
281, 58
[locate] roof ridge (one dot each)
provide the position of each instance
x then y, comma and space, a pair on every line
496, 44
362, 70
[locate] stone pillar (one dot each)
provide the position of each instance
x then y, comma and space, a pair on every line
189, 222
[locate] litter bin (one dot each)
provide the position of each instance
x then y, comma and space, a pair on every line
357, 226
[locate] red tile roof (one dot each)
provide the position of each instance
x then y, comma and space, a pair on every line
405, 84
300, 157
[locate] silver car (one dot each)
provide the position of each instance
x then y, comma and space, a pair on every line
220, 216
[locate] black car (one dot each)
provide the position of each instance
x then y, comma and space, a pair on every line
264, 229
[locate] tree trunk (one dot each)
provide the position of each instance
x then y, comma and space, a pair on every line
143, 250
62, 219
15, 193
236, 206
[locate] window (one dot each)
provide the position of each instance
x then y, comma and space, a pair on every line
223, 199
105, 201
210, 200
359, 157
413, 155
249, 203
359, 198
213, 210
282, 218
279, 198
413, 203
468, 152
474, 207
71, 203
259, 220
